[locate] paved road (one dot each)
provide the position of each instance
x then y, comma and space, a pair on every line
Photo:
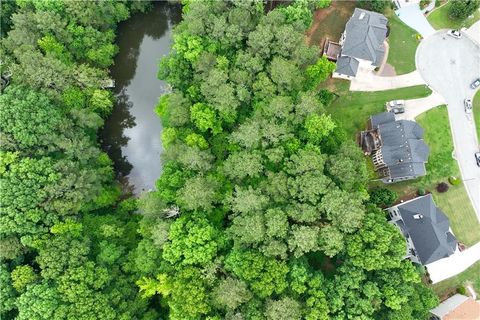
449, 65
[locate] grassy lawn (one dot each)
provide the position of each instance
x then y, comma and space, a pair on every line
439, 139
330, 22
352, 109
439, 19
476, 112
403, 45
457, 206
471, 275
455, 202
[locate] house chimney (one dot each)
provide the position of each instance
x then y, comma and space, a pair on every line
362, 15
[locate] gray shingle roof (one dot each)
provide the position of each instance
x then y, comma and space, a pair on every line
430, 234
347, 66
381, 118
402, 170
365, 32
403, 149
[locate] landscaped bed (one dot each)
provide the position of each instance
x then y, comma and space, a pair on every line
440, 19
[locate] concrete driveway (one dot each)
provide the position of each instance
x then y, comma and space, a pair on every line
458, 262
415, 107
366, 80
449, 65
413, 17
474, 32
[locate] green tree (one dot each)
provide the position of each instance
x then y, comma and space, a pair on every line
318, 126
319, 72
193, 241
460, 9
22, 276
230, 294
243, 164
198, 193
205, 118
373, 5
303, 239
283, 309
263, 275
377, 245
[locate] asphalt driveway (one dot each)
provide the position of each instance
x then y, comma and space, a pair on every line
449, 65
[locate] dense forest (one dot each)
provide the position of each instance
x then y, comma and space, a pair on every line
262, 210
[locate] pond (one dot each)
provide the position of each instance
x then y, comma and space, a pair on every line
131, 135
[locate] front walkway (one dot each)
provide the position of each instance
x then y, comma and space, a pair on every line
453, 265
415, 107
366, 80
413, 17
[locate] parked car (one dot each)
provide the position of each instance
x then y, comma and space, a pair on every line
454, 33
396, 106
475, 84
477, 157
468, 105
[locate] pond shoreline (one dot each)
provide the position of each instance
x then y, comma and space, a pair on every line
131, 134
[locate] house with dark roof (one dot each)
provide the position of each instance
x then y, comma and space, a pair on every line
425, 228
396, 147
362, 43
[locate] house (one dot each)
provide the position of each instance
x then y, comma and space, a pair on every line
457, 307
396, 147
426, 229
362, 43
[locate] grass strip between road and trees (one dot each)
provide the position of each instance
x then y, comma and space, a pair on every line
476, 112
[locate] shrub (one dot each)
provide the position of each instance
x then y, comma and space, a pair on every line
325, 96
373, 5
437, 3
424, 3
462, 290
421, 191
382, 197
454, 181
442, 187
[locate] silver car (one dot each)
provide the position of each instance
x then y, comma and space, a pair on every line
468, 105
475, 84
396, 106
454, 33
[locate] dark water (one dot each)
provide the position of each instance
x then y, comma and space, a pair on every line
131, 135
